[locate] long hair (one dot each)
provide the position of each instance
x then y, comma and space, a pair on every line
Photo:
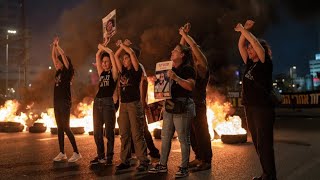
70, 65
267, 48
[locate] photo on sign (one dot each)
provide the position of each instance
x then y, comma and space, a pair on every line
162, 86
109, 27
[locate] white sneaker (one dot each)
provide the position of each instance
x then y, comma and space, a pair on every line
75, 157
60, 157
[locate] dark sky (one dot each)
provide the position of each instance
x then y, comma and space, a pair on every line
42, 20
294, 41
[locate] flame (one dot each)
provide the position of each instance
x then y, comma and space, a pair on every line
8, 112
217, 115
84, 117
220, 120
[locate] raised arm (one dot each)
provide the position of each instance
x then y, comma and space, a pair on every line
98, 61
113, 61
117, 56
54, 56
252, 40
242, 41
134, 60
61, 52
200, 59
186, 29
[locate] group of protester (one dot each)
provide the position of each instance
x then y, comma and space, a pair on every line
123, 77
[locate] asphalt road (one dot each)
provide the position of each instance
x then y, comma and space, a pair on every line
297, 150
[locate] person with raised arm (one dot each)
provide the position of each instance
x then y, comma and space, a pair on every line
182, 77
62, 100
131, 114
103, 106
199, 136
256, 85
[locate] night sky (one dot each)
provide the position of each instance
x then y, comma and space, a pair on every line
293, 38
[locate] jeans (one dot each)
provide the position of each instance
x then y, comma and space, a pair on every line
260, 122
200, 136
181, 123
104, 113
62, 116
130, 122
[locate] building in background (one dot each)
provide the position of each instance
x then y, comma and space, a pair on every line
314, 66
13, 46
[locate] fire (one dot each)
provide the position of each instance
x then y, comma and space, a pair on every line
221, 122
83, 119
217, 115
8, 113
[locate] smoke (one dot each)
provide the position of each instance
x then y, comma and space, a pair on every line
302, 10
153, 26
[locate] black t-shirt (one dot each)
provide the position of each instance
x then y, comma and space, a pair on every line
257, 82
184, 72
62, 92
200, 90
130, 84
106, 84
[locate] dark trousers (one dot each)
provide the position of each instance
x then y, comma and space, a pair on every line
62, 115
260, 122
104, 114
199, 135
147, 135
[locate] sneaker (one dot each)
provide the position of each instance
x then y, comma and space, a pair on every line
182, 172
202, 166
159, 168
194, 163
142, 167
122, 166
75, 157
97, 160
60, 157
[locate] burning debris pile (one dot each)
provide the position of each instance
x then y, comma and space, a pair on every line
81, 121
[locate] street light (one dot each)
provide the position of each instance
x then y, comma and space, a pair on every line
7, 57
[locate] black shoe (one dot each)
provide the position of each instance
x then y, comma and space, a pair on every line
97, 160
122, 166
202, 167
142, 167
182, 172
109, 162
194, 163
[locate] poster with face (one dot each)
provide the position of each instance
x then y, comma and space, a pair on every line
162, 83
109, 27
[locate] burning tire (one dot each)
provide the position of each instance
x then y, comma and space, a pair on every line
75, 130
37, 128
234, 139
11, 127
157, 133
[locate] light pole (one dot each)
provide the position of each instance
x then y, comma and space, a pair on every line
7, 58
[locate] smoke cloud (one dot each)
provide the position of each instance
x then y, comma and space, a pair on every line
153, 27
